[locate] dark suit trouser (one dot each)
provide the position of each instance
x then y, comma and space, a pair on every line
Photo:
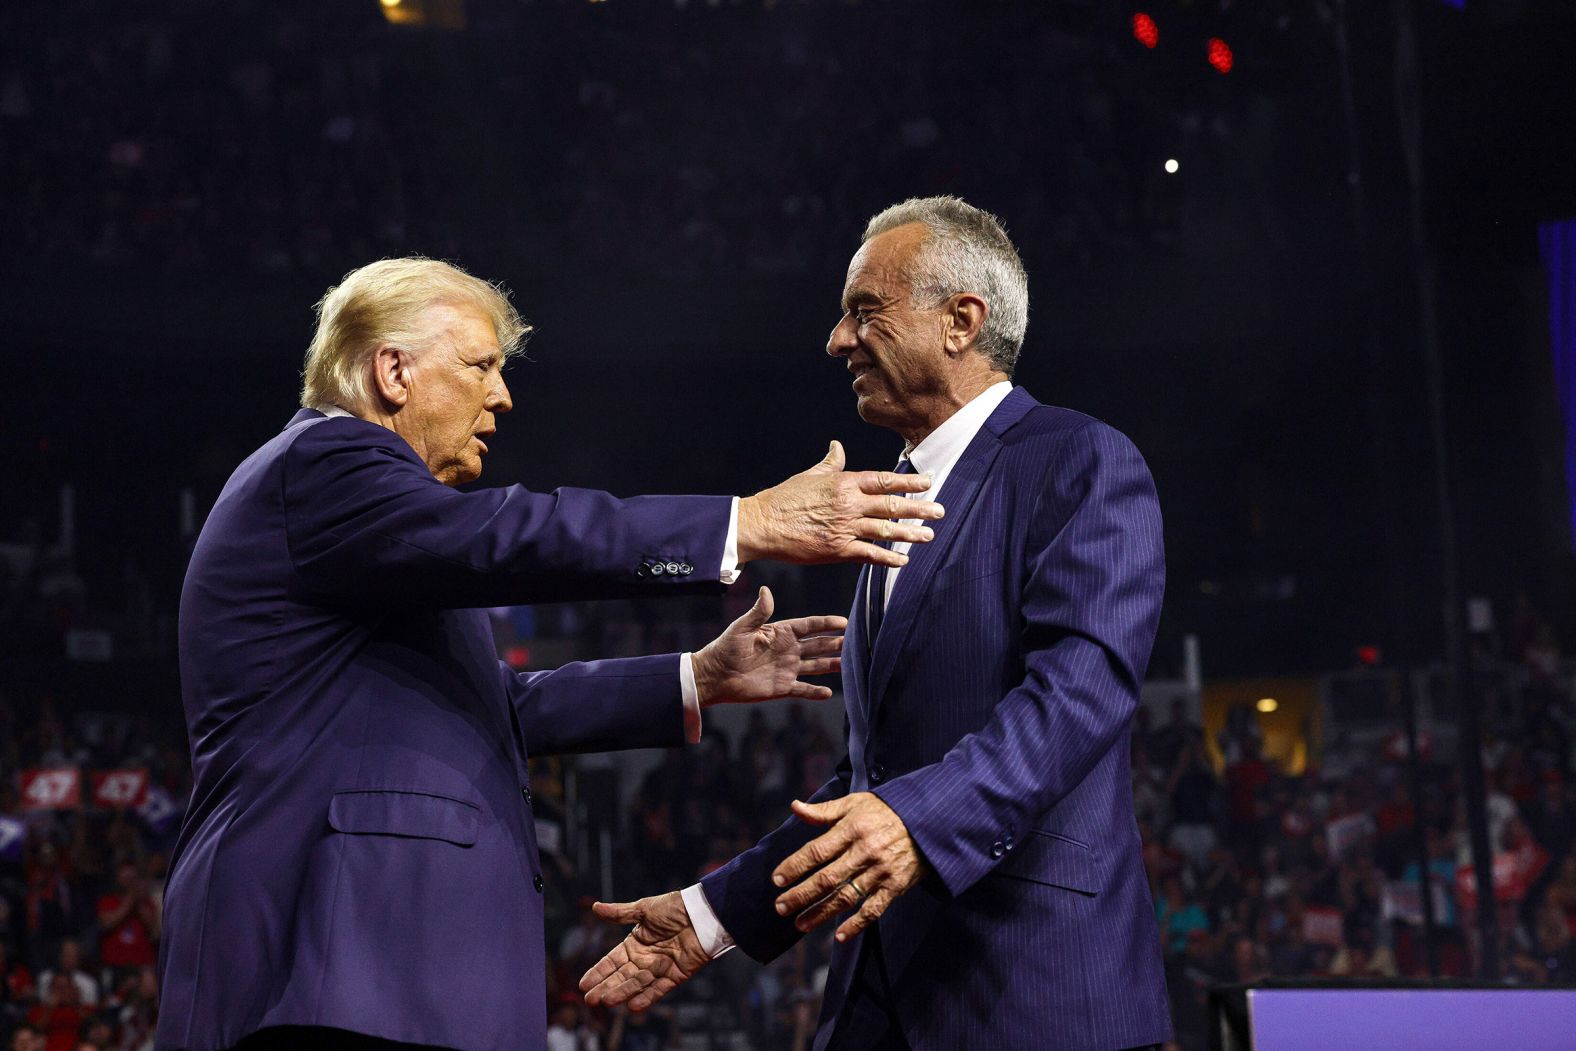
317, 1038
868, 1021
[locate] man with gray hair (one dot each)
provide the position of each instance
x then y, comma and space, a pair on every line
359, 865
978, 837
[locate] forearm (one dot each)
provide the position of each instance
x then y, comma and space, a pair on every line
600, 706
741, 893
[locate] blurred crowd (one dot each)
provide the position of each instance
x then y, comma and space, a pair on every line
280, 137
1260, 873
1257, 872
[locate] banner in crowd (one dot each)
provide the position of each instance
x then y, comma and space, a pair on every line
1346, 833
119, 789
51, 788
13, 833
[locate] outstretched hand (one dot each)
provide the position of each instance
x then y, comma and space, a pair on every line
754, 660
660, 954
863, 862
827, 514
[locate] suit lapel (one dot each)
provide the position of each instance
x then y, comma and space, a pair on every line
855, 659
957, 496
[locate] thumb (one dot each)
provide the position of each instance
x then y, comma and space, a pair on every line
757, 614
833, 461
619, 911
821, 813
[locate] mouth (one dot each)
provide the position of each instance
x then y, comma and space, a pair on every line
859, 373
479, 441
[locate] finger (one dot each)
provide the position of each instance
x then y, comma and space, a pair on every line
803, 691
822, 813
868, 913
822, 884
834, 460
619, 911
654, 992
895, 506
604, 968
805, 626
860, 551
876, 482
892, 532
841, 900
820, 850
809, 669
820, 646
757, 614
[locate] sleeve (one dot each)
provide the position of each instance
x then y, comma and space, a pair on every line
1095, 575
599, 706
741, 894
366, 522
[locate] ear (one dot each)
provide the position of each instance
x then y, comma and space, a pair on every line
965, 316
390, 379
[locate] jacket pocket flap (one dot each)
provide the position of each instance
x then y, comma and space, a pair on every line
382, 812
1054, 860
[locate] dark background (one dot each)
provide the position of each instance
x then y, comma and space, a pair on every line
672, 192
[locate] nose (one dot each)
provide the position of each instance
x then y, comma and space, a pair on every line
842, 341
499, 400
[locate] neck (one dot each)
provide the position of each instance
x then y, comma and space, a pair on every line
940, 409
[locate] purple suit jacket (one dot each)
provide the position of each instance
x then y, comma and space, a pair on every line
360, 850
992, 716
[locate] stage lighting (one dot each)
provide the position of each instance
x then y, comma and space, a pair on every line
1220, 55
1172, 167
1267, 705
389, 3
1145, 31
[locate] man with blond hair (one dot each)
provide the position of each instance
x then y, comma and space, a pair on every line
359, 863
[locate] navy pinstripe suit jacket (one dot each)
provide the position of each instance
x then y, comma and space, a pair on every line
992, 716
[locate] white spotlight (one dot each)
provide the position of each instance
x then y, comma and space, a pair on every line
1172, 166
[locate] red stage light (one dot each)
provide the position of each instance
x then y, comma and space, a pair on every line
1219, 55
517, 657
1145, 31
1368, 655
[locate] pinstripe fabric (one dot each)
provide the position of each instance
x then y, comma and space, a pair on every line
991, 715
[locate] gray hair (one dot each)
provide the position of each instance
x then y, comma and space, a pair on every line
966, 250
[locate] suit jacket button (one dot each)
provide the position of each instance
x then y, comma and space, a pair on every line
674, 569
997, 849
685, 569
536, 881
657, 569
525, 790
877, 774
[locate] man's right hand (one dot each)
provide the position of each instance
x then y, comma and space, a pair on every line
827, 514
661, 953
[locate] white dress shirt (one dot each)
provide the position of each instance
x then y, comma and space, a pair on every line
729, 573
936, 455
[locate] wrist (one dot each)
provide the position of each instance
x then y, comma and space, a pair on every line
749, 539
707, 676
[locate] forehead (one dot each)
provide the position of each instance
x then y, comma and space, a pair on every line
881, 266
463, 327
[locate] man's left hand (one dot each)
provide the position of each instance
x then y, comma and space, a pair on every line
757, 661
864, 861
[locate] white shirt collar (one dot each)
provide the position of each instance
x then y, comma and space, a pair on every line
942, 446
334, 410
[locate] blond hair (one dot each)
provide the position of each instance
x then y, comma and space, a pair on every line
381, 304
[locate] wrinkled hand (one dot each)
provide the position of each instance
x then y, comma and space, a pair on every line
827, 514
865, 860
659, 955
756, 661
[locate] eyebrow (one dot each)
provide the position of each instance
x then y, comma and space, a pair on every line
858, 296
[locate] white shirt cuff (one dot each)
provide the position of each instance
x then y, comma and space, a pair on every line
730, 547
714, 941
691, 696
